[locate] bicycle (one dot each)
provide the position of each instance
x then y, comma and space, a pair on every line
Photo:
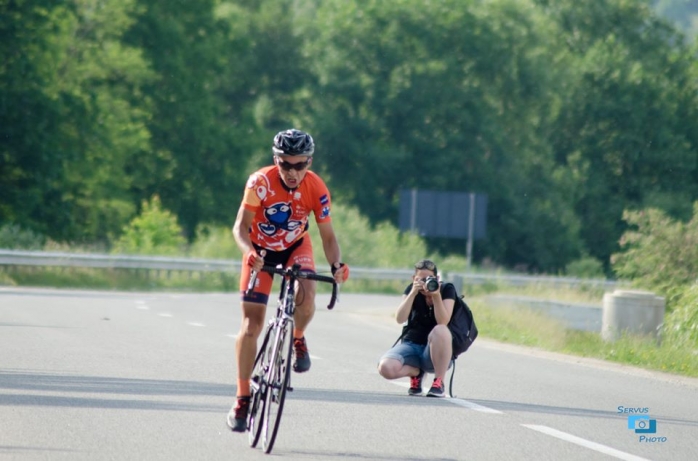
271, 373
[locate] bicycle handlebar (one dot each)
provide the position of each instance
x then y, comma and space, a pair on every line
295, 273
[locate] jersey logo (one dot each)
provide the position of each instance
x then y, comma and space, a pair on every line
325, 212
324, 200
260, 184
278, 218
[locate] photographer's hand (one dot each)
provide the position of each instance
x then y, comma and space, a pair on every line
417, 286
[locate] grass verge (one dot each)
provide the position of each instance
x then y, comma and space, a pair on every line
529, 328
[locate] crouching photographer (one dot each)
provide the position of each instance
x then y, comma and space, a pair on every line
426, 342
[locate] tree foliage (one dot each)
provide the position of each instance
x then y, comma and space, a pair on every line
658, 252
409, 102
68, 117
564, 113
625, 123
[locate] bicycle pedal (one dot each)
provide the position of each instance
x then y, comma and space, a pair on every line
289, 388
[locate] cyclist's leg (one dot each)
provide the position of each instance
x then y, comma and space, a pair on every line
253, 313
305, 304
305, 293
401, 360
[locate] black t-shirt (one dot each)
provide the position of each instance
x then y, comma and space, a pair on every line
422, 319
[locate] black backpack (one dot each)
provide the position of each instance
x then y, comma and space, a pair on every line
462, 326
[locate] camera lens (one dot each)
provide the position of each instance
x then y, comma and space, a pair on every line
431, 284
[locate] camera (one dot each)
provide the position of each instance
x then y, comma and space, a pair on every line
431, 283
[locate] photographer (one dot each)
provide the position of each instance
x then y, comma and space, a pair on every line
425, 344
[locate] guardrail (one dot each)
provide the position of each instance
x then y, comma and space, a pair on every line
105, 261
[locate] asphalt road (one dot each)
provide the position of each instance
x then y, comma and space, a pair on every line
134, 376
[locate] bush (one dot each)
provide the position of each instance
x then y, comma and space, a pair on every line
154, 232
585, 267
215, 242
681, 326
364, 246
658, 253
14, 237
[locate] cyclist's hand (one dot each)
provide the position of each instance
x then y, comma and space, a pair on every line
340, 271
254, 260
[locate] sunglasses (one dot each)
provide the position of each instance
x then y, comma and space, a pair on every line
300, 166
426, 264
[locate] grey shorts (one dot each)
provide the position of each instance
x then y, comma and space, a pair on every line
415, 355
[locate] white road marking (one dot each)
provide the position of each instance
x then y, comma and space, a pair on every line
164, 314
232, 336
196, 324
315, 357
140, 304
473, 406
455, 401
585, 443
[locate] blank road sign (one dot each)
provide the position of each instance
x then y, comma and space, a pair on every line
442, 214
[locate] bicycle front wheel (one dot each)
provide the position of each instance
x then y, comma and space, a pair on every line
255, 418
279, 377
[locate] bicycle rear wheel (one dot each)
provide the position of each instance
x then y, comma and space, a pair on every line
255, 417
279, 377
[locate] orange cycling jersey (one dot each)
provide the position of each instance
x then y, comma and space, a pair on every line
281, 214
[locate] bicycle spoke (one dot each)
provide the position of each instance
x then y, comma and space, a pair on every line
276, 392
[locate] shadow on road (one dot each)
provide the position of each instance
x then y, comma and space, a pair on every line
37, 386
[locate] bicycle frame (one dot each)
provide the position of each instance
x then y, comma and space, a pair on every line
271, 376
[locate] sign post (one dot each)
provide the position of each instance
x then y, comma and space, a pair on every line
471, 226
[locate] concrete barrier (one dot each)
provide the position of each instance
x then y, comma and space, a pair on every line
630, 311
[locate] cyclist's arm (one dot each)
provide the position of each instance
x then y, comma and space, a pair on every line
241, 230
329, 243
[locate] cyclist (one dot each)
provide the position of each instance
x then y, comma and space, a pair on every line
272, 227
426, 345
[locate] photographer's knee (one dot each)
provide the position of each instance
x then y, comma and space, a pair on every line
440, 333
386, 369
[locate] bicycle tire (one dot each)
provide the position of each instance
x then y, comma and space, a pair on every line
255, 418
279, 375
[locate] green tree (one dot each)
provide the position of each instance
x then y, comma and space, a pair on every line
70, 117
626, 123
450, 97
225, 78
30, 137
